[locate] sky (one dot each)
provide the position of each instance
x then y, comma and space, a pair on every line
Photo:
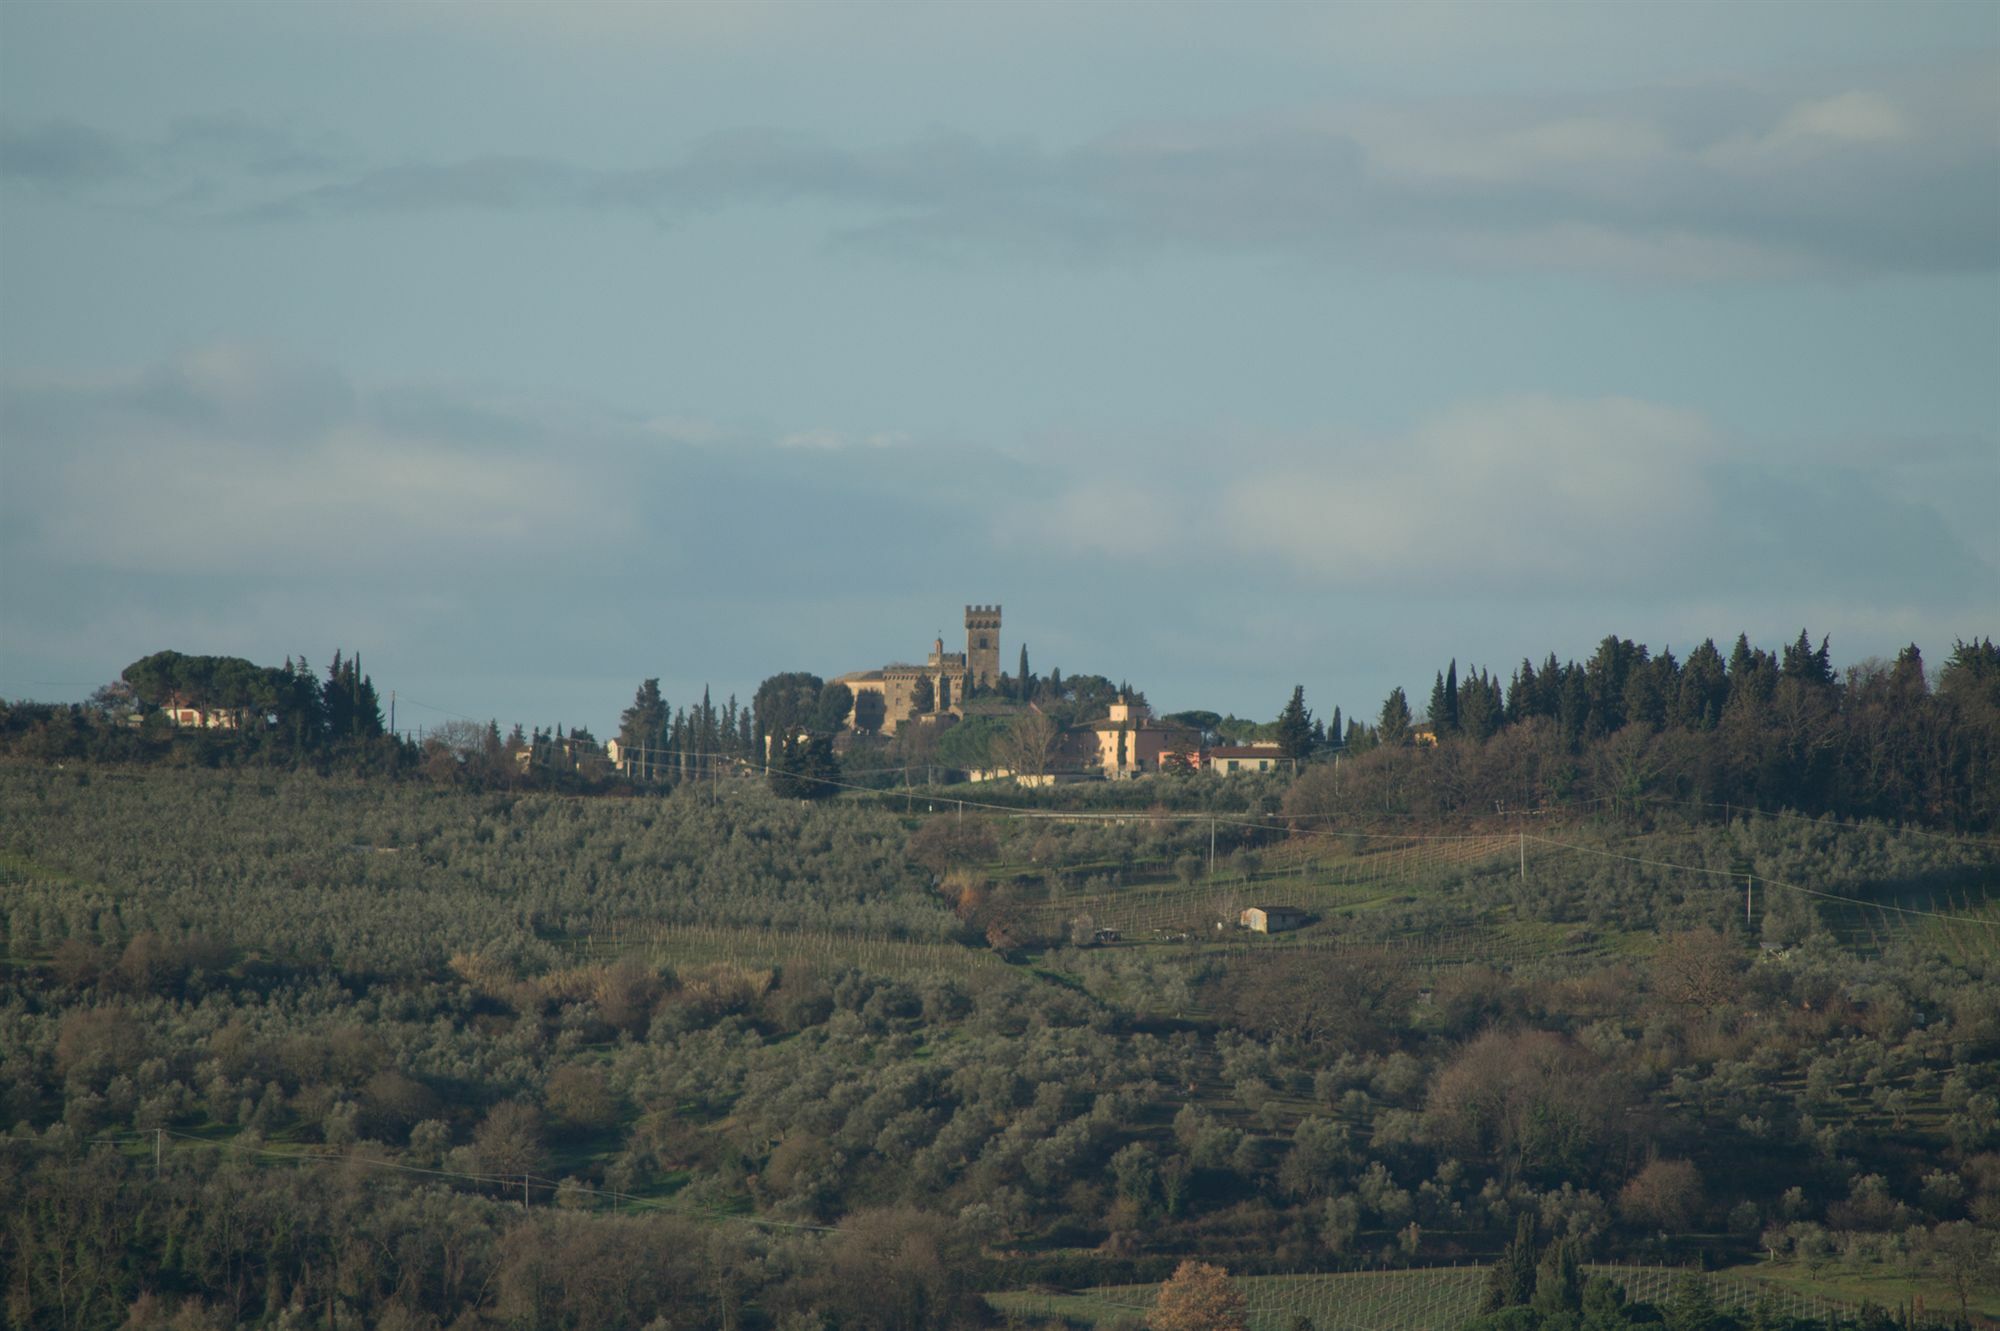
535, 349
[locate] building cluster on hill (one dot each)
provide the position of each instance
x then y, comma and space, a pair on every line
1128, 741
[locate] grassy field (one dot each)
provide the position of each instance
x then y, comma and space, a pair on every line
1887, 1288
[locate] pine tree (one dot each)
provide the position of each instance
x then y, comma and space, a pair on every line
1295, 727
1605, 678
804, 768
642, 730
1521, 693
1809, 665
1573, 708
1394, 728
1479, 708
1703, 689
1691, 1307
1548, 691
349, 702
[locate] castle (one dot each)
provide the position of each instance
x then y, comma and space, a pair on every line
891, 696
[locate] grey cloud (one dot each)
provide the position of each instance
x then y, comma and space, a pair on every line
1890, 172
60, 153
1623, 501
1845, 174
229, 501
227, 461
195, 163
1800, 532
258, 149
498, 184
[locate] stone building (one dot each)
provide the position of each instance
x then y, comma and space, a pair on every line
1127, 742
890, 696
1271, 919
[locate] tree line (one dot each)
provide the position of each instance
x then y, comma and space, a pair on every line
1753, 728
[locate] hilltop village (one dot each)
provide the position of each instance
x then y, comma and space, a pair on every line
1031, 733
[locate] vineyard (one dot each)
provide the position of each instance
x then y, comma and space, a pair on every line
1408, 1300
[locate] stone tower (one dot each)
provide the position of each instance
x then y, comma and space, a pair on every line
982, 645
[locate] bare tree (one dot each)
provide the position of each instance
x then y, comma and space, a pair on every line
1026, 746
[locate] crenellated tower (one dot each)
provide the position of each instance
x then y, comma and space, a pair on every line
982, 645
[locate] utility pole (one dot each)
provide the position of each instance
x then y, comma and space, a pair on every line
1747, 881
159, 1134
1524, 856
1211, 847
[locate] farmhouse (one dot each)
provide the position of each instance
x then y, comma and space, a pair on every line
1233, 758
1271, 919
181, 711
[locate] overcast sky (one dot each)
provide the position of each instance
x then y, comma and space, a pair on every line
533, 349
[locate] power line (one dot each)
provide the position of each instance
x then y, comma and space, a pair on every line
1768, 882
1825, 820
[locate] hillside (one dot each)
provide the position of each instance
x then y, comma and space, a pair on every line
811, 1047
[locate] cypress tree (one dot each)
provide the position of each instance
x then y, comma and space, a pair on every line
1559, 1280
1510, 1282
1025, 680
1295, 726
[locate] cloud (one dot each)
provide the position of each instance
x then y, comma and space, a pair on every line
228, 461
182, 171
1523, 491
1839, 174
495, 184
60, 153
835, 440
1529, 499
229, 500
